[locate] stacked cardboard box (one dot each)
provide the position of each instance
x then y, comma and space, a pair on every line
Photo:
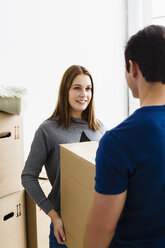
12, 196
22, 223
38, 223
77, 188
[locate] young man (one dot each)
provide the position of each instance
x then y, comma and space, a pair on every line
129, 203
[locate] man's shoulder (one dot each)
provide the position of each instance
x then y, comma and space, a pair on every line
136, 120
127, 128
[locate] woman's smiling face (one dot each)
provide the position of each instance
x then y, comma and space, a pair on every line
80, 94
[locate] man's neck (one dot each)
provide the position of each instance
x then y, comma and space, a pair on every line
151, 94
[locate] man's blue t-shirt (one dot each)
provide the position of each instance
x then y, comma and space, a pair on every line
132, 157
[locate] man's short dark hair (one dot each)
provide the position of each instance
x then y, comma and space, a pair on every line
147, 49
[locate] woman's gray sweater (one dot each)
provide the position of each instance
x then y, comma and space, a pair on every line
45, 150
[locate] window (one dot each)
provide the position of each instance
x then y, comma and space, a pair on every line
158, 12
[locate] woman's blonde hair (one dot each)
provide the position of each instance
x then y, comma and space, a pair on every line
62, 110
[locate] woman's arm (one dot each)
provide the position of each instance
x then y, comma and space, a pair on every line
33, 166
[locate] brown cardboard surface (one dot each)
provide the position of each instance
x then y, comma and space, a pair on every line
11, 153
10, 177
38, 223
12, 221
77, 188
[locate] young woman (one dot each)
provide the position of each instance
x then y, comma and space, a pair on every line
73, 120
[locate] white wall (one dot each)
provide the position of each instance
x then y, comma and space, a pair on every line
139, 16
40, 39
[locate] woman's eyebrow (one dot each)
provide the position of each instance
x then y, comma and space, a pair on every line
76, 84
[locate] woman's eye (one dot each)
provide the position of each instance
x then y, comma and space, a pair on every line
79, 88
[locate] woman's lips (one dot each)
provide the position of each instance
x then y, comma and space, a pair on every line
81, 101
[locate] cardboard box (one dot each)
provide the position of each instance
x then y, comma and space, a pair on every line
77, 188
38, 223
13, 221
11, 153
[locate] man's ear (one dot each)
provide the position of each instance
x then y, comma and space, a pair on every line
133, 68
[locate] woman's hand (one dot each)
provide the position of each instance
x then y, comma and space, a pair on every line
58, 226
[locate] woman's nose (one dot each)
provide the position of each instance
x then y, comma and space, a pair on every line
83, 92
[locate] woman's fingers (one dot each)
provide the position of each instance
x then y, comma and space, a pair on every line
59, 231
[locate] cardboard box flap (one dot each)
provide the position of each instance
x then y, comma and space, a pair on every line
86, 150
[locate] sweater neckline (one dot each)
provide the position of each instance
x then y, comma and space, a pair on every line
77, 120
